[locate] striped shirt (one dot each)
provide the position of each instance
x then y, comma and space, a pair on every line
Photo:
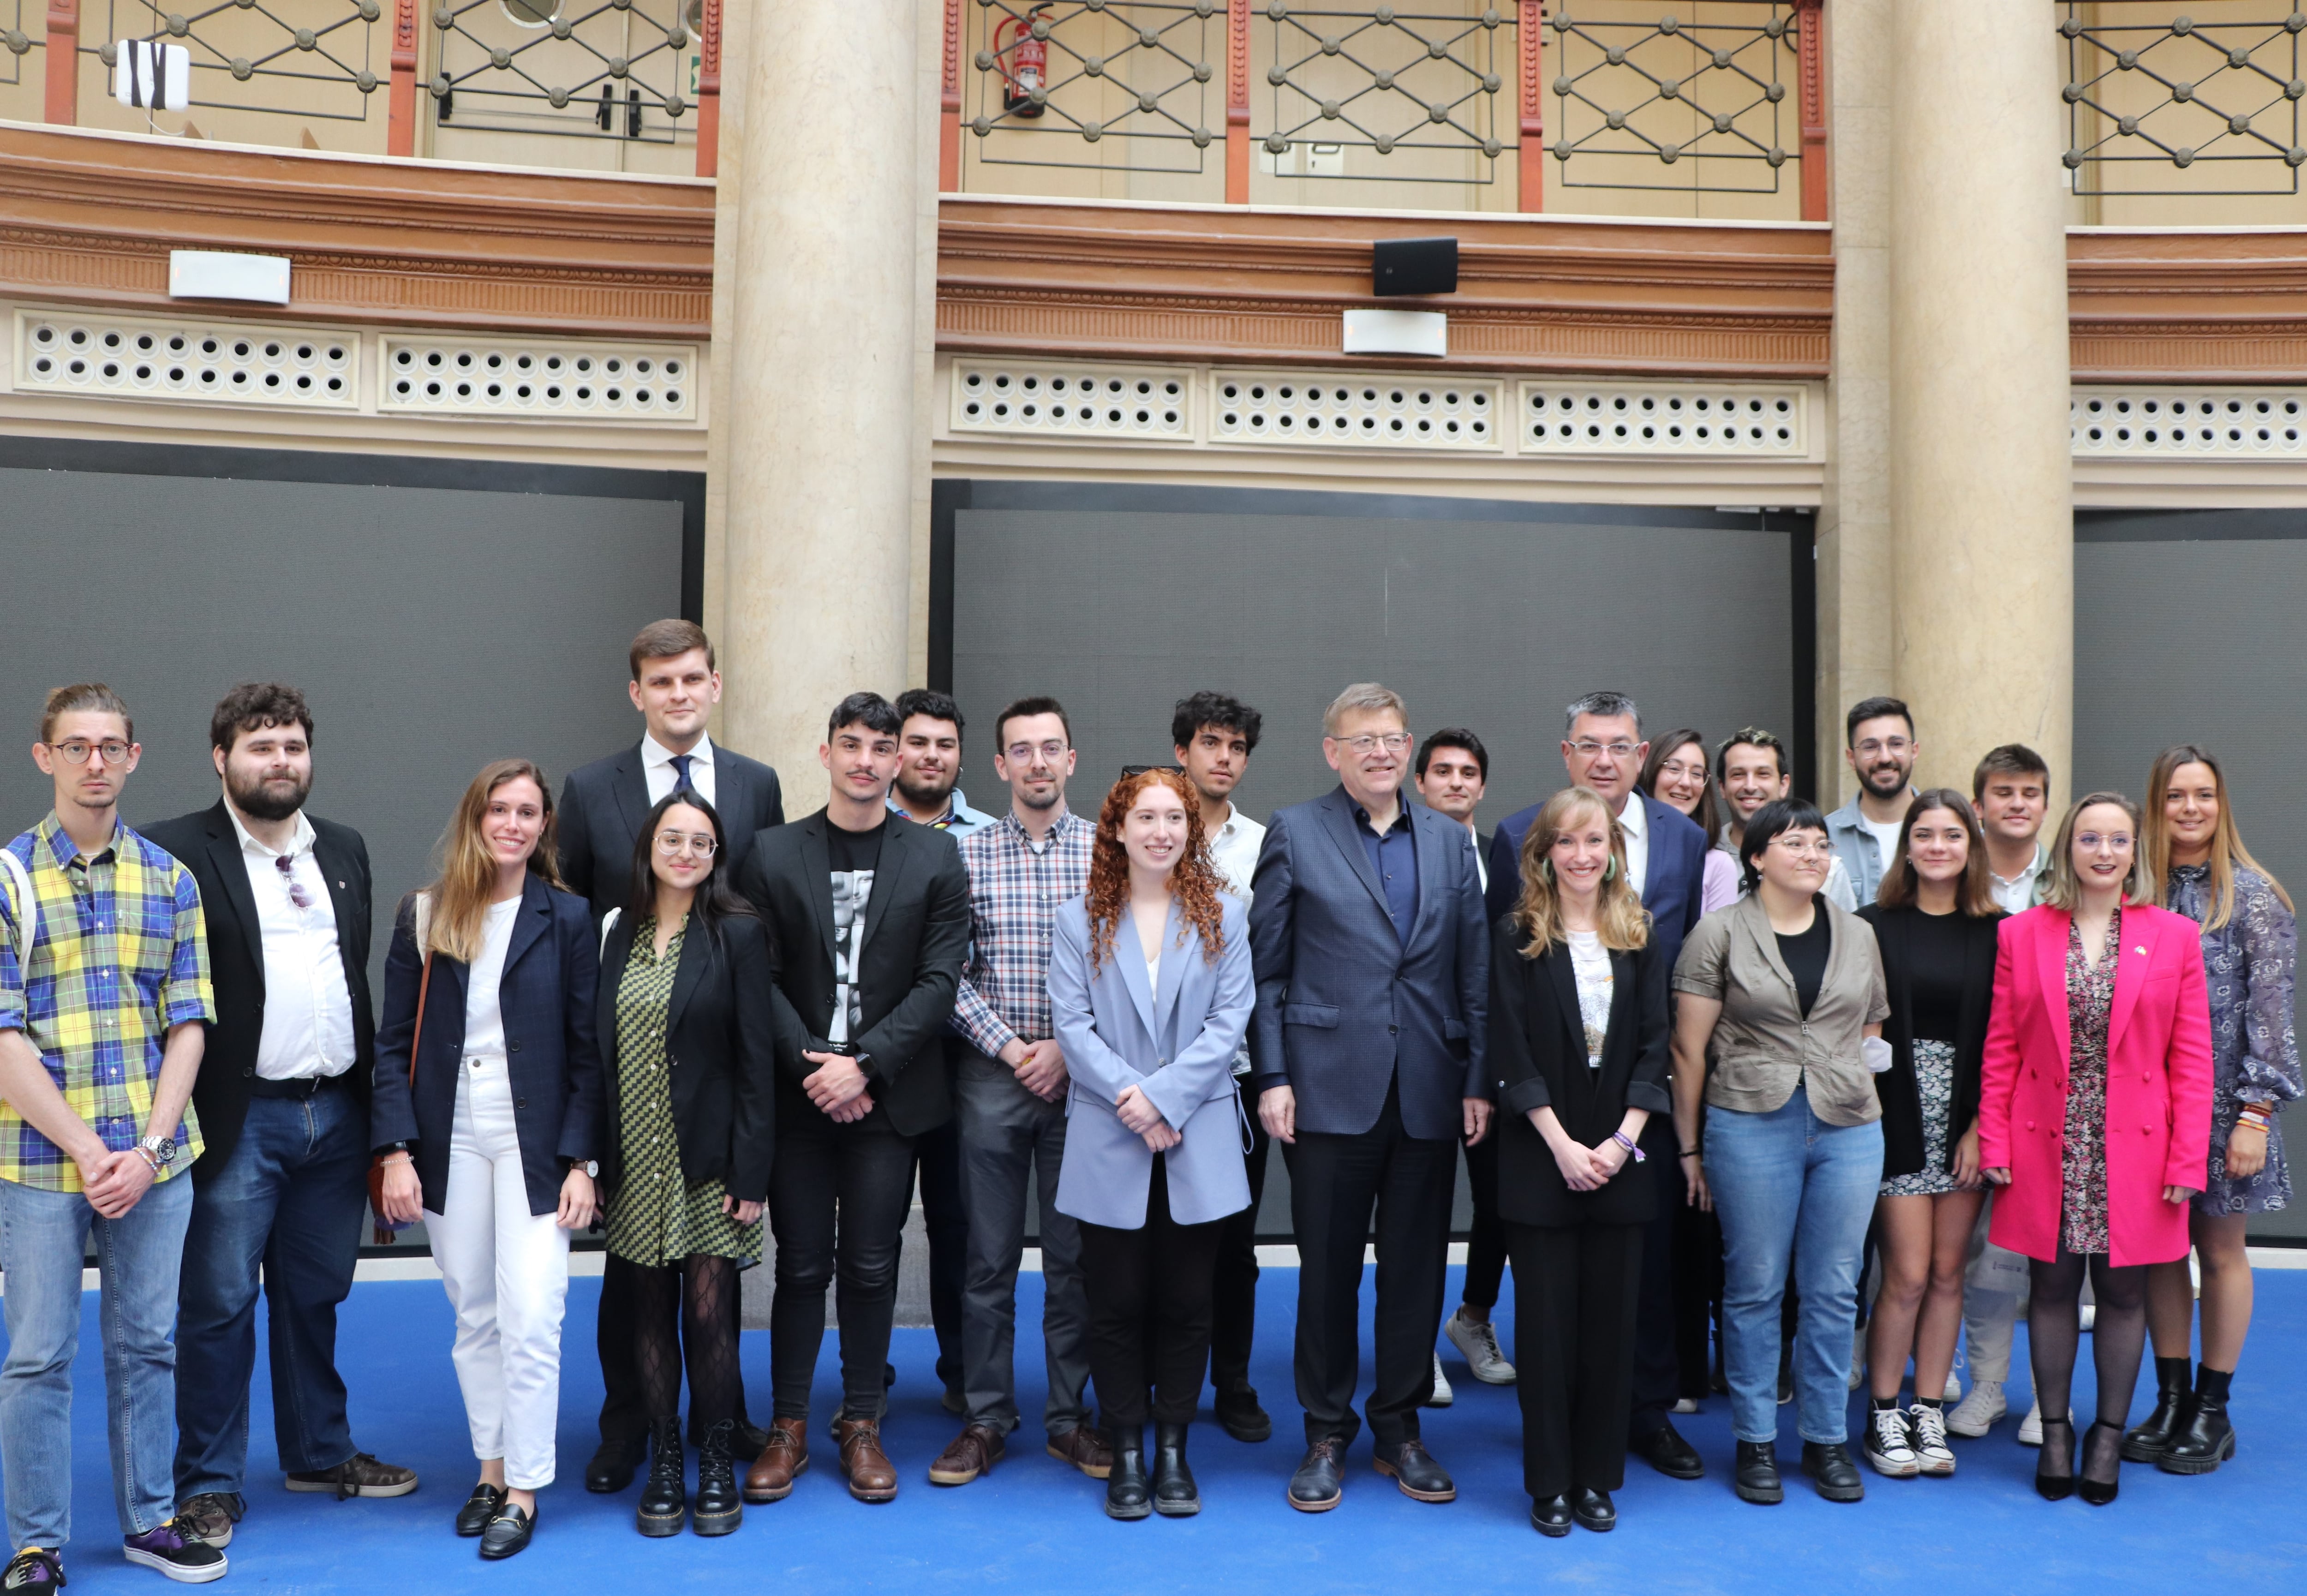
116, 959
1014, 887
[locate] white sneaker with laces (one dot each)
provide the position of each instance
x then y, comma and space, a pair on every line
1887, 1447
2030, 1427
1442, 1395
1478, 1339
1978, 1412
1926, 1433
1953, 1392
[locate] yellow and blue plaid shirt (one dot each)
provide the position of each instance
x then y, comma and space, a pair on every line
118, 958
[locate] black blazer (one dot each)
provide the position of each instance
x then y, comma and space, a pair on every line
547, 994
1538, 1049
604, 803
722, 1053
916, 935
205, 844
1902, 1106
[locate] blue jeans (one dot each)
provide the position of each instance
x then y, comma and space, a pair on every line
1788, 1183
43, 1239
305, 1162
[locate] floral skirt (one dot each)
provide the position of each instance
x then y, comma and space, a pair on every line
1934, 1090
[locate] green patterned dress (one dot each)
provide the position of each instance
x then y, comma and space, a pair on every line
656, 1219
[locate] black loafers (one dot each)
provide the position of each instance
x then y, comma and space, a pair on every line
479, 1507
508, 1532
1757, 1477
613, 1465
1550, 1516
1412, 1468
1594, 1509
1320, 1479
1664, 1450
1832, 1472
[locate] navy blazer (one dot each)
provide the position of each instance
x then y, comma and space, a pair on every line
551, 981
1345, 1005
1675, 881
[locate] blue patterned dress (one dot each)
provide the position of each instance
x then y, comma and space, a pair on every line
2251, 965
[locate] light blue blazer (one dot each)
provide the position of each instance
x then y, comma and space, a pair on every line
1176, 1044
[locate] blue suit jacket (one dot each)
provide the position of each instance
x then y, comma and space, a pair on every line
1674, 888
1345, 1005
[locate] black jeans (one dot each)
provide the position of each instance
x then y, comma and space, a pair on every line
1697, 1262
937, 1160
839, 1196
1486, 1238
1658, 1369
1149, 1311
1233, 1327
1573, 1345
1334, 1182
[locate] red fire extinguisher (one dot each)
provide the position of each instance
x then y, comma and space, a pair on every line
1023, 61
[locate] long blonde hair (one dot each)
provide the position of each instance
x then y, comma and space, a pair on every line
2064, 890
1620, 920
2227, 842
460, 895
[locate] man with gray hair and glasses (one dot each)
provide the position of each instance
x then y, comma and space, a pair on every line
1603, 748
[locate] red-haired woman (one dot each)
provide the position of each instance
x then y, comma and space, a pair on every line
1150, 988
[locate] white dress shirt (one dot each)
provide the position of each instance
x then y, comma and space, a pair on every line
1481, 865
2019, 893
308, 1010
1234, 849
1636, 821
657, 771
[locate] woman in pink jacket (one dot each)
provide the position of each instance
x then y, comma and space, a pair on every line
2094, 1116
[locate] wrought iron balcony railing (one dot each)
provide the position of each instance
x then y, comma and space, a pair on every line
2161, 102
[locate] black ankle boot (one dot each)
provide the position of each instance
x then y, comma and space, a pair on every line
1175, 1493
664, 1502
2202, 1438
1757, 1478
720, 1506
1127, 1492
2145, 1443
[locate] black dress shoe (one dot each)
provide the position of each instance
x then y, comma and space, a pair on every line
1320, 1480
1830, 1468
1175, 1493
1550, 1516
613, 1465
508, 1532
479, 1507
2146, 1443
1413, 1468
1241, 1418
1664, 1450
1594, 1509
1757, 1476
1128, 1492
2101, 1473
2054, 1465
2200, 1442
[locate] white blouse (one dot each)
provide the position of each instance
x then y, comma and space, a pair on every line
1590, 964
484, 1036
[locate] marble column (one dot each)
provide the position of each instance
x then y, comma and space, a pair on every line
1982, 504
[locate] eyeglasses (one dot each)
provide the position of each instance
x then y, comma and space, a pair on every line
76, 750
1369, 742
1616, 750
674, 844
1022, 753
1893, 746
1681, 770
1796, 848
2093, 842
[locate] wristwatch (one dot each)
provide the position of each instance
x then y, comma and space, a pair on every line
158, 1151
591, 1166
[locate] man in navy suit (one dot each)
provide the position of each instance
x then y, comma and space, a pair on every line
1602, 747
1372, 957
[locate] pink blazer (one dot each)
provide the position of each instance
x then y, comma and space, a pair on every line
2158, 1083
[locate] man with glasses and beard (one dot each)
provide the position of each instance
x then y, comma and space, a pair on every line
1880, 746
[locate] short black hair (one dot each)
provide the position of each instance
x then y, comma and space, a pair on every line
867, 709
1453, 737
1040, 704
1748, 737
929, 701
253, 705
1222, 710
1779, 814
1874, 709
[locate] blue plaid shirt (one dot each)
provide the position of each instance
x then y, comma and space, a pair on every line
1015, 888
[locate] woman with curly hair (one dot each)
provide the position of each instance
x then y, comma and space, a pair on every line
1151, 990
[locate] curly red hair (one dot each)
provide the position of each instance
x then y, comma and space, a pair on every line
1194, 879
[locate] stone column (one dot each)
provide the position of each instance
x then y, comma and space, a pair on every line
1982, 499
821, 376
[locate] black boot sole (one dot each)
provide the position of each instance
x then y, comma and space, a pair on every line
656, 1526
717, 1524
1176, 1509
1761, 1496
2142, 1450
1129, 1514
2170, 1464
1838, 1493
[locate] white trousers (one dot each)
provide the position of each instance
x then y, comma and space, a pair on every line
1993, 1295
507, 1274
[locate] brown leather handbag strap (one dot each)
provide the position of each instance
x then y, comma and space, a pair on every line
424, 987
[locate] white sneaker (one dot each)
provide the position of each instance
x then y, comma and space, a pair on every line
1685, 1405
2090, 1315
1886, 1446
1442, 1395
2030, 1427
1926, 1432
1478, 1339
1953, 1392
1857, 1356
1978, 1412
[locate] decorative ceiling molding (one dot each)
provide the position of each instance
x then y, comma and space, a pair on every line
2188, 305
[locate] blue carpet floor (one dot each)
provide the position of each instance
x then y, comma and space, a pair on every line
1034, 1525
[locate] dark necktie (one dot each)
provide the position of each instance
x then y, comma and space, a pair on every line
681, 782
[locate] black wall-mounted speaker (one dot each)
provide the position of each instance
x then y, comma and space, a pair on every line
1414, 266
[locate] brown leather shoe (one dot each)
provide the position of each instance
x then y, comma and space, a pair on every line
786, 1455
872, 1479
1084, 1447
974, 1451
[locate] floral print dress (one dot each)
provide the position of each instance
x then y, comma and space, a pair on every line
2251, 967
2082, 1154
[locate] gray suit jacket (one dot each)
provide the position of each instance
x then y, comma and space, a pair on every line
1174, 1041
1343, 1004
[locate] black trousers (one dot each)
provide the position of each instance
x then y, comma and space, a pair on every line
1697, 1259
1486, 1239
839, 1196
1149, 1293
1658, 1369
1234, 1321
1334, 1182
937, 1165
1572, 1352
